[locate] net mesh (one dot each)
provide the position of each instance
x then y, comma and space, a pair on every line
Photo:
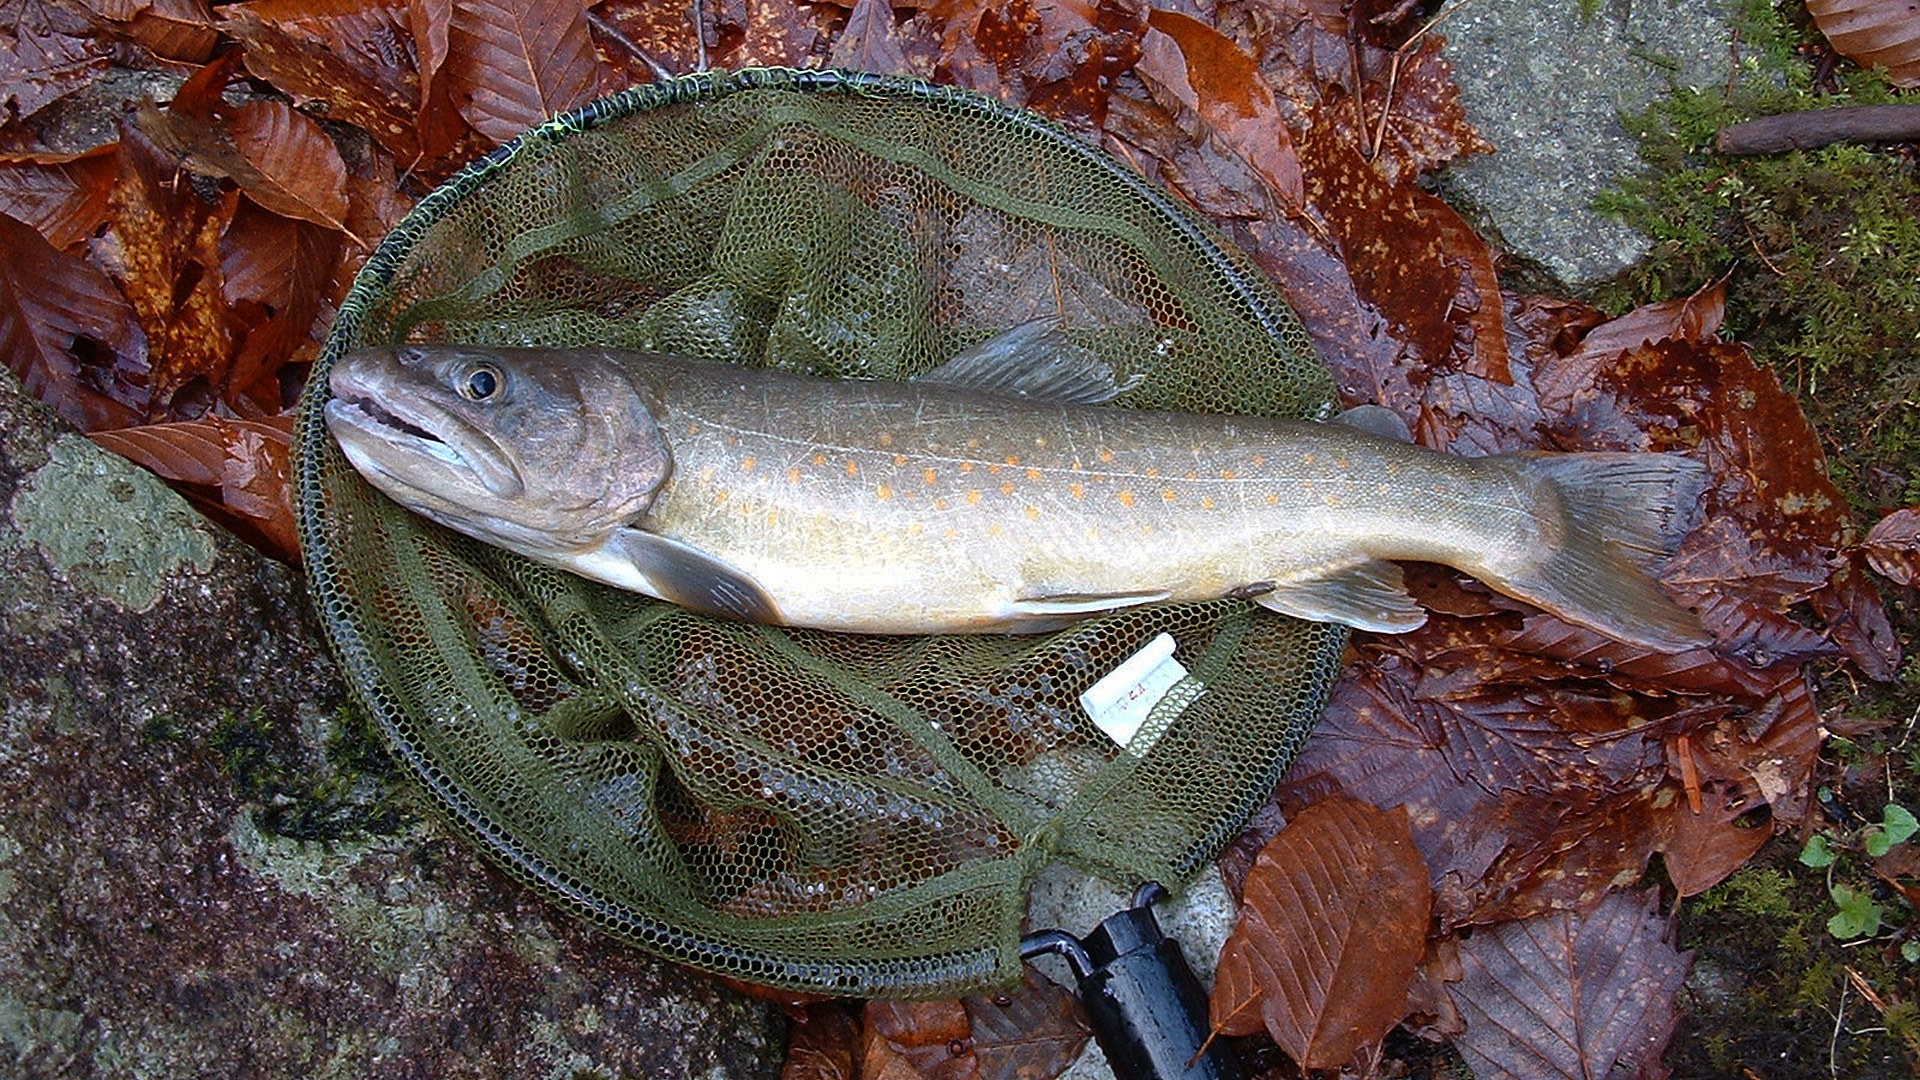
814, 811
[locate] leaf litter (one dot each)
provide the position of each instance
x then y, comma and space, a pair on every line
168, 287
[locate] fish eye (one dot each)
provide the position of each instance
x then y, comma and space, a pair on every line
481, 382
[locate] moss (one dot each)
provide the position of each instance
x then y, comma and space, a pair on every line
352, 790
1821, 248
1760, 892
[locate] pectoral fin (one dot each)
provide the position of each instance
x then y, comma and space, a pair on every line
684, 575
1370, 596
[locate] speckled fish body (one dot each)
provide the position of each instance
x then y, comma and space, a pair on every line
922, 507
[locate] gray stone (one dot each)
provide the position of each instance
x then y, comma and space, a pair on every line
209, 868
1548, 87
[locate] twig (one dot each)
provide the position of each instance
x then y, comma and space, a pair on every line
1820, 127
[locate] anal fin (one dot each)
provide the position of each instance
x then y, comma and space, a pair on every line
1037, 613
1369, 596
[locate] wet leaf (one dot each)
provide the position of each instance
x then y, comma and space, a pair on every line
1892, 546
1211, 77
237, 470
54, 51
1033, 1032
354, 57
163, 250
276, 271
821, 1045
58, 316
1874, 33
1565, 995
871, 42
1332, 925
64, 196
1058, 58
174, 29
512, 64
918, 1040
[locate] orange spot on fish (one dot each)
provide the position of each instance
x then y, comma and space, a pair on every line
773, 517
793, 475
1077, 490
819, 459
1033, 513
1167, 495
993, 470
720, 496
1206, 502
966, 466
1152, 472
940, 502
706, 475
973, 444
1013, 459
1006, 489
1306, 459
1039, 442
973, 497
852, 468
996, 529
899, 459
1126, 498
746, 463
1272, 499
884, 492
1259, 460
1226, 474
1033, 474
930, 476
1105, 455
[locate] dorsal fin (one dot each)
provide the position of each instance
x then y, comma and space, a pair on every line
1033, 360
1376, 420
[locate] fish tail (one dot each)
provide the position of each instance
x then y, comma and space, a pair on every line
1617, 513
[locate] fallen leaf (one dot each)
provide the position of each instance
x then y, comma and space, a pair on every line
1892, 546
1332, 924
821, 1044
276, 272
1033, 1032
175, 29
163, 250
54, 52
871, 42
512, 64
918, 1040
355, 57
237, 470
1874, 33
65, 330
1058, 58
1211, 77
64, 196
1566, 995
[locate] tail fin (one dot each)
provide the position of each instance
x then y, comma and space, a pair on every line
1618, 512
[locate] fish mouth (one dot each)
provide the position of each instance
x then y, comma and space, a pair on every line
417, 444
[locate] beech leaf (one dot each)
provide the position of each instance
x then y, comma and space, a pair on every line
1873, 33
918, 1040
1216, 79
351, 55
1332, 925
55, 311
870, 41
1576, 996
514, 63
64, 196
1893, 546
235, 469
1033, 1032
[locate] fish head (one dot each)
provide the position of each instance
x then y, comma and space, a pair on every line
543, 452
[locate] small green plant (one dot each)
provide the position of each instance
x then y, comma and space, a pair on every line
1859, 915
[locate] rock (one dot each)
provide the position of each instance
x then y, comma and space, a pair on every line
208, 867
1547, 86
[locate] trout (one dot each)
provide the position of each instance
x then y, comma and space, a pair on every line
995, 494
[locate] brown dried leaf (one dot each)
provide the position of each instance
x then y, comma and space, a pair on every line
918, 1040
53, 52
1856, 618
64, 196
871, 42
1412, 259
1575, 996
175, 29
821, 1044
1033, 1032
57, 314
1893, 546
512, 64
1874, 33
163, 249
237, 470
1059, 58
356, 57
296, 169
1333, 924
1211, 77
277, 272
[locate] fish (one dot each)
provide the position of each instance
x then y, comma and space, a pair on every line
999, 493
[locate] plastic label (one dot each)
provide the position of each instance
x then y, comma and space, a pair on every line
1119, 703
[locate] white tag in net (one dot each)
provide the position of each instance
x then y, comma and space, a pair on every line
1119, 703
